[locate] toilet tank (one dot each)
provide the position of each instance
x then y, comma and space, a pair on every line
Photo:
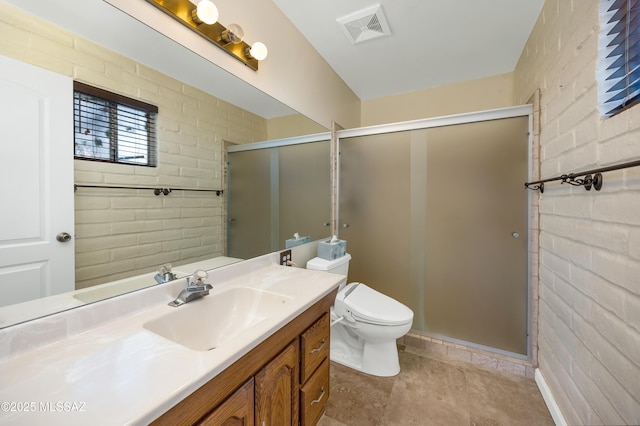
337, 266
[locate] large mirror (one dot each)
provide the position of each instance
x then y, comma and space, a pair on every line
121, 231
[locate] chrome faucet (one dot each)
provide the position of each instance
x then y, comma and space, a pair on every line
164, 274
195, 289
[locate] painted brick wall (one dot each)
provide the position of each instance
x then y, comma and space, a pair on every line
589, 263
121, 233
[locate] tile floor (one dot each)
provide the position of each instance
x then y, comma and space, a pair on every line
433, 390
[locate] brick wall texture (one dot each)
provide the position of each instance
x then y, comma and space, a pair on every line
589, 249
122, 233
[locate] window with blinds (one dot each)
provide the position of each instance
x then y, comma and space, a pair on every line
619, 56
113, 128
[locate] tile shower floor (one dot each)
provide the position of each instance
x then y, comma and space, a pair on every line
432, 390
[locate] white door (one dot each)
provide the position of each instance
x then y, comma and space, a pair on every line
36, 182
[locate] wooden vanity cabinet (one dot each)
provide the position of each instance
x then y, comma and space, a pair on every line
283, 381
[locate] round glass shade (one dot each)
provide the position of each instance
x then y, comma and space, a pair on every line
207, 12
258, 51
233, 34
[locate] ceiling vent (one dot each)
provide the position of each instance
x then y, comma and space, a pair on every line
365, 24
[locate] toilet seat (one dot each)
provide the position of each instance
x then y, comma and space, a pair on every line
358, 302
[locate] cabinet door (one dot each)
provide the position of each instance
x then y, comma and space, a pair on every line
237, 410
276, 398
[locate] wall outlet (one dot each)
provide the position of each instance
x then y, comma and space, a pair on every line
285, 257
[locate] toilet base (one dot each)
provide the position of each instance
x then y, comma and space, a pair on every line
377, 359
389, 370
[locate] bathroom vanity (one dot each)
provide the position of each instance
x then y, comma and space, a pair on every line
280, 382
264, 358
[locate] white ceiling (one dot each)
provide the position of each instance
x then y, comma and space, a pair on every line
432, 42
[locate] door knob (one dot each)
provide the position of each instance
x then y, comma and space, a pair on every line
63, 237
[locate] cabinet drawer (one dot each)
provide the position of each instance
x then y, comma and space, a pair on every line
314, 395
314, 347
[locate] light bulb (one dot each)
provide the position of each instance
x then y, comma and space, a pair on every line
207, 12
258, 51
233, 34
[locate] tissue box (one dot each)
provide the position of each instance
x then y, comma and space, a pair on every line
292, 242
328, 250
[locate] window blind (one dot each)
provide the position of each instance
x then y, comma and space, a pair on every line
113, 128
619, 56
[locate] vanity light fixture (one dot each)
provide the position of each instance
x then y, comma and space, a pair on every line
203, 19
205, 13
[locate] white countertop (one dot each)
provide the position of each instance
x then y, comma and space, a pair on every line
116, 372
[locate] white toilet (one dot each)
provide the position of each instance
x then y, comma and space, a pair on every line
364, 324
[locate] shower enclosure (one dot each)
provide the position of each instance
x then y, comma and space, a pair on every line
275, 189
435, 215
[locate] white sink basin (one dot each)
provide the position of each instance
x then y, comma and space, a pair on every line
207, 323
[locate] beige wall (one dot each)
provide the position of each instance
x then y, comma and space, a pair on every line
122, 233
468, 96
589, 322
292, 125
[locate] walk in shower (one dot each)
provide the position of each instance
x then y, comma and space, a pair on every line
434, 213
436, 216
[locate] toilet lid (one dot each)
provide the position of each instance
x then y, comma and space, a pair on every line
373, 307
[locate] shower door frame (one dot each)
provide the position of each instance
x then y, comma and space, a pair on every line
464, 118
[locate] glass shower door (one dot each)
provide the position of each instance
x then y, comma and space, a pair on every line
275, 192
476, 233
304, 193
437, 219
250, 176
375, 218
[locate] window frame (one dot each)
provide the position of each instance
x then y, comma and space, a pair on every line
115, 101
618, 74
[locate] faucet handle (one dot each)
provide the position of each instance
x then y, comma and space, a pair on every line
200, 275
198, 278
164, 269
